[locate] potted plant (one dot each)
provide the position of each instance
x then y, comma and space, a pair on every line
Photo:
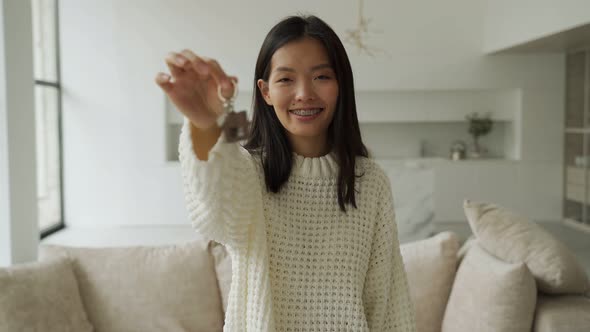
478, 126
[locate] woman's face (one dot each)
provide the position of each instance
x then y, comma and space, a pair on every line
302, 83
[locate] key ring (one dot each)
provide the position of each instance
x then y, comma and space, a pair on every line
228, 104
235, 125
225, 100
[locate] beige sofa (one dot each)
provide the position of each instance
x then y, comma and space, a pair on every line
511, 277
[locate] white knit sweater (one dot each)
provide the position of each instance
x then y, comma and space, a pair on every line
298, 262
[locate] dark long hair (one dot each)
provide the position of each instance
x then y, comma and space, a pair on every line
267, 136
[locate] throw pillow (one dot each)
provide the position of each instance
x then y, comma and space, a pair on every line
465, 248
515, 239
147, 288
490, 295
41, 296
431, 265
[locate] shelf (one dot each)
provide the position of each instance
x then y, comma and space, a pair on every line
577, 130
574, 193
419, 162
415, 106
575, 175
577, 225
576, 209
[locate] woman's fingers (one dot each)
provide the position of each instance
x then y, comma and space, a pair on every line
187, 62
175, 63
221, 77
196, 63
205, 66
163, 80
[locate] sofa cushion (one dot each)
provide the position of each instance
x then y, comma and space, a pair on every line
514, 239
41, 296
431, 265
465, 248
566, 313
146, 288
490, 295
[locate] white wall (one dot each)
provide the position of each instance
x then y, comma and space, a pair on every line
19, 233
512, 22
114, 132
5, 248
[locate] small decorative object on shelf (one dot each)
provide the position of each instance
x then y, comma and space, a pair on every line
478, 126
458, 150
582, 161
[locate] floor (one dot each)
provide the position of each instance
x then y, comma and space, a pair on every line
577, 241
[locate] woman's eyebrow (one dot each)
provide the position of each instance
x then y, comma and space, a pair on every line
314, 68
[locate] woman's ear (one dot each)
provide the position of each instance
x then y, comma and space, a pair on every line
263, 87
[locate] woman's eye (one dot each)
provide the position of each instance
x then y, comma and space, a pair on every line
283, 80
324, 77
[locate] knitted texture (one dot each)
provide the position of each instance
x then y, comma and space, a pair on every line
298, 262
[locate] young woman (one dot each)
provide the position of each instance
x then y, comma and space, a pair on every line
305, 215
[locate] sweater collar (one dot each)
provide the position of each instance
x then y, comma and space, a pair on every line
325, 166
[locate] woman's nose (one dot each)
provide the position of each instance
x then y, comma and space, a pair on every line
305, 91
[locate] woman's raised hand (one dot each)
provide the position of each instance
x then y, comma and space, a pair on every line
192, 86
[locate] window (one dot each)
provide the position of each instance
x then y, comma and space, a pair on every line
47, 115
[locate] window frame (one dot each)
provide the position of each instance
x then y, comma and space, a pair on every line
57, 85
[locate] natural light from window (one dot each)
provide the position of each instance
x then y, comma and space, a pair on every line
47, 113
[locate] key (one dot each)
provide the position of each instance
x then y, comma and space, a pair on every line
235, 125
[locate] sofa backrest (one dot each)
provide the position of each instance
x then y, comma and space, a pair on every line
141, 288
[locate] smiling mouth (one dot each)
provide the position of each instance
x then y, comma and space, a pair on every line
307, 112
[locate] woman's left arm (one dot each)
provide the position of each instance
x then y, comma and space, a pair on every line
386, 295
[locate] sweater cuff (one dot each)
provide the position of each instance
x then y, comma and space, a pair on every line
188, 158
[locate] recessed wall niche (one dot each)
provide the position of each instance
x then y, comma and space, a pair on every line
411, 123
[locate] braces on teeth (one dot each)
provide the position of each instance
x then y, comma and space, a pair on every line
311, 112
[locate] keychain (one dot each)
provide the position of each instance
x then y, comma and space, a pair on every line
235, 125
